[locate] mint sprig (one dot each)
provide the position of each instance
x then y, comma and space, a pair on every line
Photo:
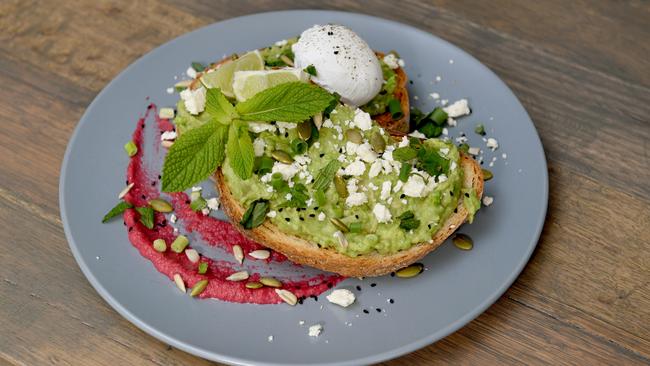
197, 153
288, 102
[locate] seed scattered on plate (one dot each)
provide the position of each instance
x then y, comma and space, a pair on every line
192, 255
166, 113
287, 296
270, 282
463, 242
125, 190
238, 253
179, 282
260, 254
238, 276
167, 144
254, 285
410, 271
198, 288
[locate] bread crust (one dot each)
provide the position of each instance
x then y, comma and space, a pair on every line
308, 253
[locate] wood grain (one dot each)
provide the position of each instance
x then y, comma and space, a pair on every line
580, 68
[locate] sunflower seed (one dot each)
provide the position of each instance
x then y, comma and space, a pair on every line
286, 60
125, 190
238, 253
179, 282
166, 144
238, 276
287, 296
192, 255
318, 120
260, 254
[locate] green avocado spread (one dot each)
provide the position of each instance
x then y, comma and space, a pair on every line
371, 180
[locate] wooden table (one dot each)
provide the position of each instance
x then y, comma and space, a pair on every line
581, 69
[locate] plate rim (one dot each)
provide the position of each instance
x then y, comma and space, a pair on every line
219, 357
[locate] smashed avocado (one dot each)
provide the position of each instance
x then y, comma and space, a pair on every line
379, 103
297, 208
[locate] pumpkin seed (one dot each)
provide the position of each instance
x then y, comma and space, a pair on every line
238, 253
304, 130
282, 156
160, 205
318, 120
410, 271
198, 288
341, 187
260, 254
238, 276
125, 190
339, 224
180, 243
354, 135
287, 296
159, 245
377, 142
192, 255
487, 175
179, 282
463, 242
254, 285
270, 282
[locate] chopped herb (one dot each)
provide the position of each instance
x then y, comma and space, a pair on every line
263, 165
355, 227
404, 153
203, 267
333, 104
311, 70
431, 162
299, 197
395, 109
408, 221
298, 146
255, 214
130, 148
463, 148
480, 129
404, 172
118, 209
278, 183
146, 216
320, 198
326, 175
198, 204
431, 130
438, 115
197, 66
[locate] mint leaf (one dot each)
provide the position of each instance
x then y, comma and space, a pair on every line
194, 156
325, 175
240, 150
288, 102
405, 153
118, 209
146, 216
219, 107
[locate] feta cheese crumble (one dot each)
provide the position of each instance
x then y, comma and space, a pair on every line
342, 297
356, 199
362, 120
168, 136
213, 203
414, 186
258, 146
487, 200
355, 169
492, 143
391, 61
382, 213
457, 109
194, 100
315, 330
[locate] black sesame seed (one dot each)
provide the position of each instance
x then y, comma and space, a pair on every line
302, 218
329, 285
287, 219
358, 288
429, 226
378, 310
280, 209
467, 195
402, 195
356, 217
392, 274
340, 150
153, 183
391, 301
124, 222
373, 284
451, 193
300, 300
336, 52
127, 182
366, 311
130, 228
286, 134
159, 176
321, 155
187, 202
312, 215
316, 208
144, 197
411, 82
455, 211
143, 125
314, 297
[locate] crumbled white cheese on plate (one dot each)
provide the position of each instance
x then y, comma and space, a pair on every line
342, 297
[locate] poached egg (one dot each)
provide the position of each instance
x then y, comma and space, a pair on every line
344, 62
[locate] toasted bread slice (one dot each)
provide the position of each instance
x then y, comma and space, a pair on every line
384, 119
305, 252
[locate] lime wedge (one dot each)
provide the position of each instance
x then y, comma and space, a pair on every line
248, 83
222, 77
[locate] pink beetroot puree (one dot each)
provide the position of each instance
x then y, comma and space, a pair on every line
213, 231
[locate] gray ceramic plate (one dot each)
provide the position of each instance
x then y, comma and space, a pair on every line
458, 285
